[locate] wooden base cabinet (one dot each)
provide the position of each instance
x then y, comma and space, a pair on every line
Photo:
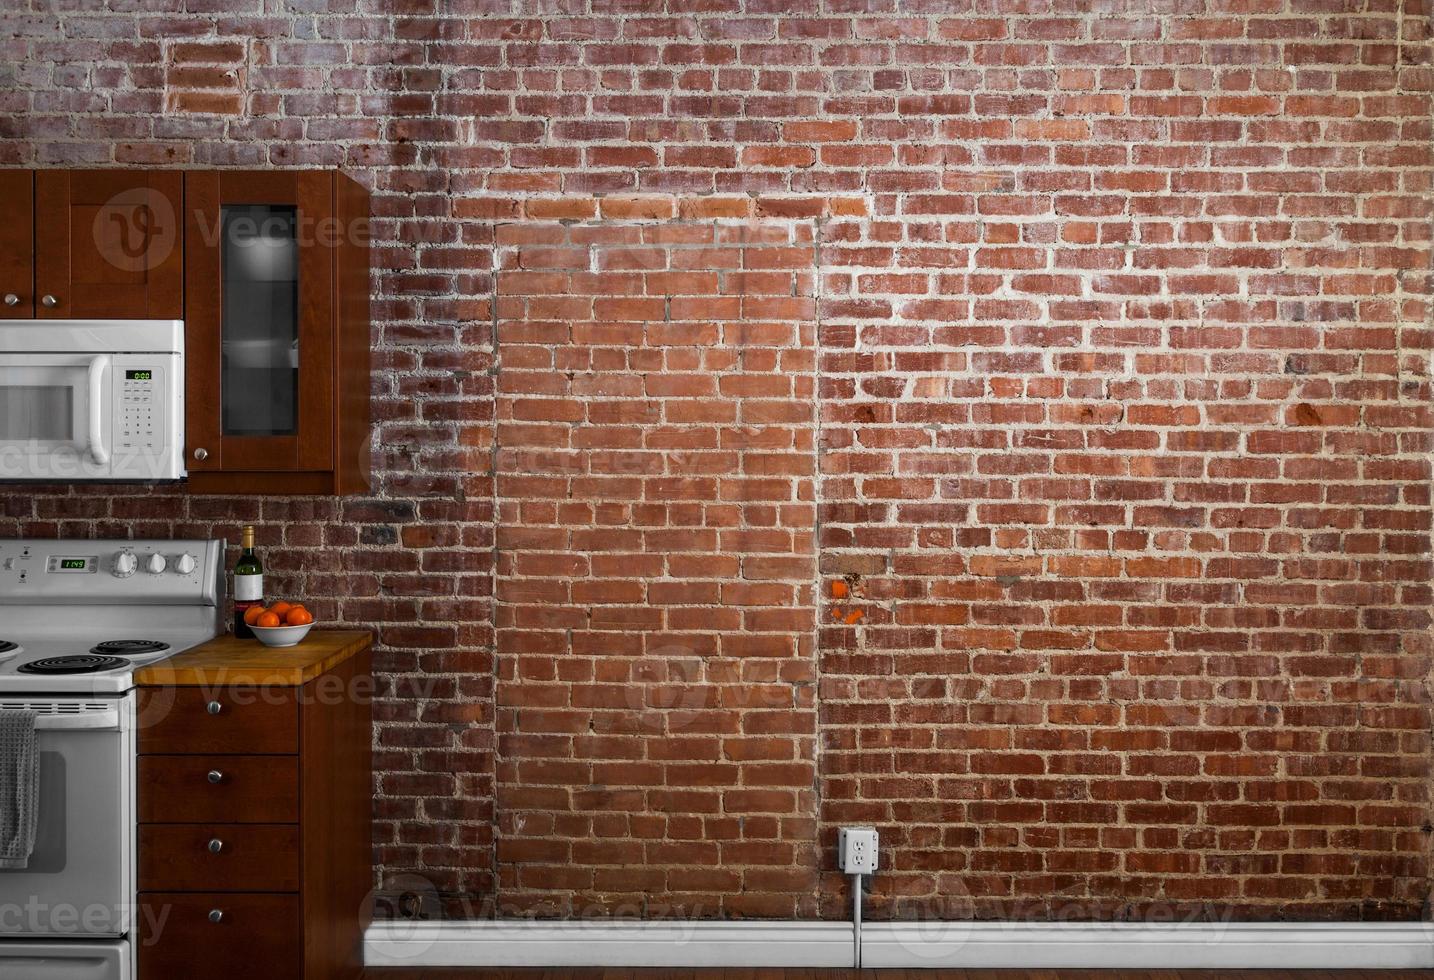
254, 837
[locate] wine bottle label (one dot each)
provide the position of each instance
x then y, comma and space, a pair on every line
248, 588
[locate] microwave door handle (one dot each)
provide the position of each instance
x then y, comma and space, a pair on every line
98, 452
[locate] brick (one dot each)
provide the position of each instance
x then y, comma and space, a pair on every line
636, 207
560, 208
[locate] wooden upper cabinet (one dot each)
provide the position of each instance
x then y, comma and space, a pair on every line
17, 244
276, 331
268, 269
108, 244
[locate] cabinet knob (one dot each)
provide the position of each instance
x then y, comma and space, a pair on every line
201, 453
215, 846
215, 776
216, 916
214, 707
49, 301
11, 299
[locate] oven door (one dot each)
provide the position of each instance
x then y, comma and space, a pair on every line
80, 878
54, 416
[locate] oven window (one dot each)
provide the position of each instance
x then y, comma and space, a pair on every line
40, 412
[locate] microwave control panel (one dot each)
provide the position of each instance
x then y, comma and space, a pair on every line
141, 399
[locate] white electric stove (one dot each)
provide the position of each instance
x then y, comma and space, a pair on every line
80, 616
77, 618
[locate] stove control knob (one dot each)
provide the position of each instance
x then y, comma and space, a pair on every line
125, 565
156, 564
186, 564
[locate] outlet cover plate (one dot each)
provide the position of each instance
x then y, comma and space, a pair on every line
857, 850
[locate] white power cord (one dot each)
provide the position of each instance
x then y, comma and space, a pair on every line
856, 921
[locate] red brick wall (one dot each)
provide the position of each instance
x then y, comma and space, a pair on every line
1094, 366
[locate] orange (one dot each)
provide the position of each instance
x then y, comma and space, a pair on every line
252, 614
298, 616
280, 607
267, 619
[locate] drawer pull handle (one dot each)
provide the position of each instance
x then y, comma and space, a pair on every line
215, 846
12, 300
215, 776
201, 454
216, 916
49, 302
214, 707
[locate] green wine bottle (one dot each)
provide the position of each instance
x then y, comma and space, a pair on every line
248, 584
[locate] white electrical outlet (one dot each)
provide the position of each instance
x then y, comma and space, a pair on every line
856, 850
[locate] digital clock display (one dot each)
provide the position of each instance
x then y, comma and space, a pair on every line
139, 375
74, 564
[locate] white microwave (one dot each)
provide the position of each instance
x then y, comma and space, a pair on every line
91, 400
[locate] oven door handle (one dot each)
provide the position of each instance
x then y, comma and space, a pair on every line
78, 721
99, 365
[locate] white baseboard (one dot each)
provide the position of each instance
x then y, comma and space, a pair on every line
1136, 946
577, 944
906, 945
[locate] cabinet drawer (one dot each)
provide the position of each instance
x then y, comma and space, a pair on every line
241, 721
219, 857
256, 936
218, 789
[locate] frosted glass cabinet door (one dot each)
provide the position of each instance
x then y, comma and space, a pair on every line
259, 324
260, 347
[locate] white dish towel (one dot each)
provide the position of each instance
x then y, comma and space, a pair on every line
19, 787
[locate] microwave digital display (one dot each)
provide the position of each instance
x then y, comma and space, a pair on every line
139, 375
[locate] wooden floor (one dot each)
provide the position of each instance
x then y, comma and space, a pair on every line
789, 974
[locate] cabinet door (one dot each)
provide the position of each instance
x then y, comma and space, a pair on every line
17, 244
259, 321
108, 244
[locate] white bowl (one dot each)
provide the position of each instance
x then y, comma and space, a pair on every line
281, 636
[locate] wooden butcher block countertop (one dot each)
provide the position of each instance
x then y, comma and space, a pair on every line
225, 660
